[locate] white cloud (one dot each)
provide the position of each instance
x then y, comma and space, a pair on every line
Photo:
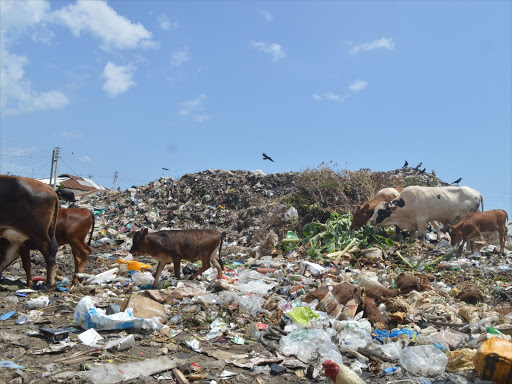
179, 57
383, 42
273, 49
266, 15
357, 85
86, 158
16, 93
192, 105
194, 108
166, 24
72, 135
201, 118
103, 22
119, 78
330, 96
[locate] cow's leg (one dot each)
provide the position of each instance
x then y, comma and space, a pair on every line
437, 227
27, 265
422, 226
216, 264
50, 254
472, 244
159, 269
81, 253
501, 233
177, 267
398, 233
205, 265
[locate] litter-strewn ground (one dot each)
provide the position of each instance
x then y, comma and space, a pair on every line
254, 326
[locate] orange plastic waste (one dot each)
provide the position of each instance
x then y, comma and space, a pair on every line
134, 265
493, 361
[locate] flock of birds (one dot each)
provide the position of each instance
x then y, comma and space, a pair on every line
423, 171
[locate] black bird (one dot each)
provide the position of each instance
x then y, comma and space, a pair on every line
422, 171
457, 181
265, 157
418, 166
406, 164
165, 169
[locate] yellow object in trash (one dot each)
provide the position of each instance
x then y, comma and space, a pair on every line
460, 360
493, 361
134, 265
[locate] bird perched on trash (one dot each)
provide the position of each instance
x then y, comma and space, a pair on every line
422, 171
265, 157
406, 164
418, 166
339, 374
457, 181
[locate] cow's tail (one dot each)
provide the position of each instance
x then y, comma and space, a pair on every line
223, 234
54, 246
92, 229
482, 202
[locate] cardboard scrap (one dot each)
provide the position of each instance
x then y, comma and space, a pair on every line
145, 307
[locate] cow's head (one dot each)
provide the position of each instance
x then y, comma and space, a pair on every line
455, 234
138, 238
361, 216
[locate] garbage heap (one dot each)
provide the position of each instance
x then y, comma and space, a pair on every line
249, 207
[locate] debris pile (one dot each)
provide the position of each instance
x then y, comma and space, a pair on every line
385, 311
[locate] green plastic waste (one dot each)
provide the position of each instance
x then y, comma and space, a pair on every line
302, 315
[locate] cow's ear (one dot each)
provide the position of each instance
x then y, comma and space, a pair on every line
144, 232
394, 208
366, 206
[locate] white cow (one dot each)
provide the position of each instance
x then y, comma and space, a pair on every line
416, 206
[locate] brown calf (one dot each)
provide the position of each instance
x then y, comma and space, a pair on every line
28, 212
73, 225
174, 246
475, 224
364, 212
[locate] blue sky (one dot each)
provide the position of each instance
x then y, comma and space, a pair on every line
137, 86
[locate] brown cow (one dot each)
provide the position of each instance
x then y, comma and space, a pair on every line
364, 212
28, 212
73, 225
475, 224
174, 246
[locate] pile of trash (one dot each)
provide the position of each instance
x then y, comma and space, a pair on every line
397, 313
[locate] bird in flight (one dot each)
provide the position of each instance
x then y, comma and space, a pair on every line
406, 164
165, 169
457, 181
419, 165
265, 157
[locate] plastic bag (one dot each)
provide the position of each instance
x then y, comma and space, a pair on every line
143, 278
88, 316
308, 345
425, 360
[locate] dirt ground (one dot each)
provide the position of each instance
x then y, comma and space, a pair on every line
25, 345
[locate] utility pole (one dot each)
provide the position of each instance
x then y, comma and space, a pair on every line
51, 170
57, 151
116, 174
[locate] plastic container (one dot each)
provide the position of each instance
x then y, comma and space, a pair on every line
493, 361
330, 305
425, 360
